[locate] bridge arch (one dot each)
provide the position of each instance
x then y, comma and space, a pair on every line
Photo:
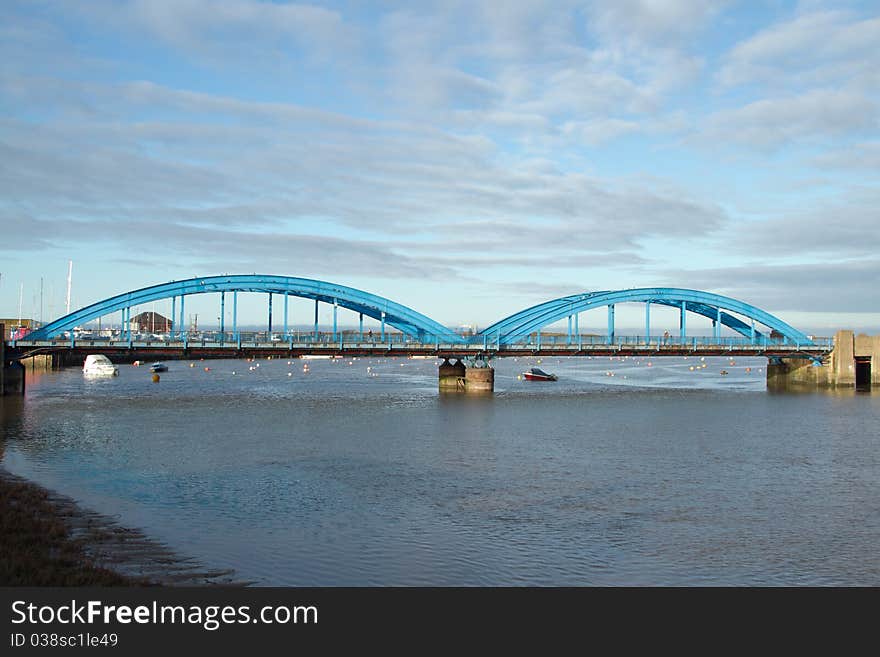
394, 314
716, 307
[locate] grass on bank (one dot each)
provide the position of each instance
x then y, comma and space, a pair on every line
37, 545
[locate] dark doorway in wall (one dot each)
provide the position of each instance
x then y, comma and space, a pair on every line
863, 373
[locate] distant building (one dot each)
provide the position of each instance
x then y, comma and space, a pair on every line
151, 322
16, 331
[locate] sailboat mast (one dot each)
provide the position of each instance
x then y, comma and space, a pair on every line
69, 279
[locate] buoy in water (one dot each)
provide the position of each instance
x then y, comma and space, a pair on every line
207, 369
155, 378
192, 364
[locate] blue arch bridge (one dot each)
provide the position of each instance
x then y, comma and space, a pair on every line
404, 331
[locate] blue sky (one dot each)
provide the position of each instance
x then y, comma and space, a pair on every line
465, 158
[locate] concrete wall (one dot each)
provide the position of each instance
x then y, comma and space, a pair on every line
838, 370
797, 372
843, 363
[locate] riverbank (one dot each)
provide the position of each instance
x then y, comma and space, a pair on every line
47, 539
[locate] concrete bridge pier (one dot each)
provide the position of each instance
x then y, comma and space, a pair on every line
452, 376
479, 377
853, 363
11, 371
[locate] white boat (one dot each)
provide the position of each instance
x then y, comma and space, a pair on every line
99, 365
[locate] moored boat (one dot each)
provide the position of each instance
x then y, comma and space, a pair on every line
537, 374
158, 367
99, 365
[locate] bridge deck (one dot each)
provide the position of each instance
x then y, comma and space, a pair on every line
209, 349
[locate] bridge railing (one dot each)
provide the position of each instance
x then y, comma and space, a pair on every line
328, 339
664, 341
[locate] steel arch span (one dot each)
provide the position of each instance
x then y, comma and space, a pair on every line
716, 307
397, 315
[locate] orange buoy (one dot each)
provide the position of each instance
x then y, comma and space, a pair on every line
155, 378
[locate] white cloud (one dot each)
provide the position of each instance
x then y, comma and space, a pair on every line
835, 287
654, 21
830, 47
815, 115
864, 156
212, 26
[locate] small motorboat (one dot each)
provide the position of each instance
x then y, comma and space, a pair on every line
536, 374
99, 365
158, 367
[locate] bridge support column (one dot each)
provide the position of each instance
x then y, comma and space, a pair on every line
478, 379
11, 372
451, 377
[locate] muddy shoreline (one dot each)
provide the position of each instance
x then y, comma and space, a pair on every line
47, 539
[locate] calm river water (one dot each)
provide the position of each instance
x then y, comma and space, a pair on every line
357, 472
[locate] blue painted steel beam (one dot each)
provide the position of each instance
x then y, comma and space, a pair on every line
316, 319
394, 314
183, 328
522, 324
682, 322
610, 323
710, 312
270, 313
510, 323
235, 315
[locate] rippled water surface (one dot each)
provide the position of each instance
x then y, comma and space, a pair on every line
358, 472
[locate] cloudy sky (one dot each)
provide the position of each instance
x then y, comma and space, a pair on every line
464, 158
